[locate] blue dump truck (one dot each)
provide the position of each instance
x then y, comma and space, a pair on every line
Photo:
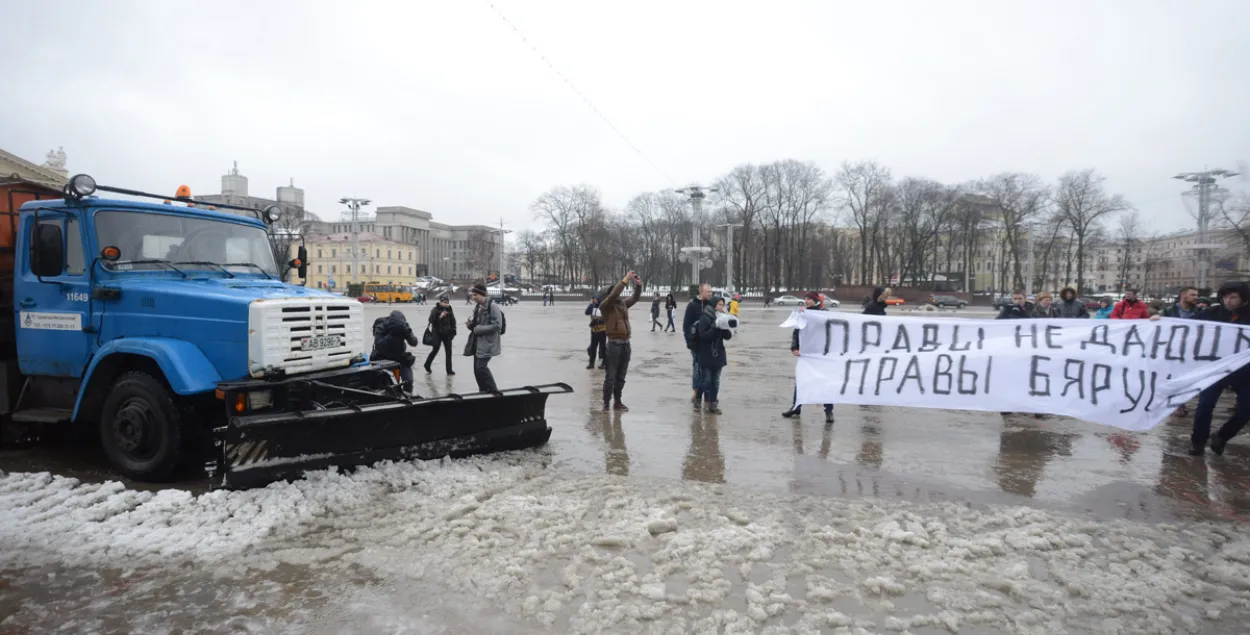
166, 328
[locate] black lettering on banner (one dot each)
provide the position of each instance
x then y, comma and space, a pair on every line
1134, 399
939, 373
1179, 355
863, 375
972, 387
955, 341
902, 341
1050, 340
989, 366
864, 340
928, 339
1133, 338
980, 339
846, 335
1157, 342
1215, 344
1078, 380
1034, 374
1098, 337
1242, 338
1032, 335
912, 372
1154, 380
1094, 386
881, 378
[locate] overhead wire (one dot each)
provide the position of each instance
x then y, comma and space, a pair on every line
579, 93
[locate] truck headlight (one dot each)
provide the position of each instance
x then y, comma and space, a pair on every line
259, 399
82, 185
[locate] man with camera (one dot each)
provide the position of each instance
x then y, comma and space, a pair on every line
615, 312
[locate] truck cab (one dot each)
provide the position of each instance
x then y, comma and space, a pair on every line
129, 314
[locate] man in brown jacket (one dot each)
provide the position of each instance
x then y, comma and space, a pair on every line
616, 318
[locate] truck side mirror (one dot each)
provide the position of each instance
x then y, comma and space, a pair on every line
303, 262
47, 251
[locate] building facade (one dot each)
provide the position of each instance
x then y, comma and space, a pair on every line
377, 259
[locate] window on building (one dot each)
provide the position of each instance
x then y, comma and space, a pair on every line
318, 252
332, 269
410, 270
377, 268
318, 268
388, 269
388, 254
334, 253
377, 253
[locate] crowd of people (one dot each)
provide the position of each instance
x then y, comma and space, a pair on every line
711, 320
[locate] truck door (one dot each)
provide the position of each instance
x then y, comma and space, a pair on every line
52, 312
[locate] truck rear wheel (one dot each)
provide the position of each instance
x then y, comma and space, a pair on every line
140, 428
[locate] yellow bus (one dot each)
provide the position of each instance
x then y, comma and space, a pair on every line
388, 293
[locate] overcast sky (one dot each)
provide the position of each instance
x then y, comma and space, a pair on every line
441, 105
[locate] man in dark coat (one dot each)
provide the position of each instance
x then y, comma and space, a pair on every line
813, 303
1019, 309
1069, 306
443, 327
875, 303
390, 334
1186, 307
1234, 297
694, 311
598, 334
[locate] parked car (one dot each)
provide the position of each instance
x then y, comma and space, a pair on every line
943, 301
892, 301
1090, 303
788, 300
830, 302
366, 298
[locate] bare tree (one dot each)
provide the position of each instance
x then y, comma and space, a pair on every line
864, 192
289, 230
1236, 215
1129, 239
1018, 200
1081, 200
480, 251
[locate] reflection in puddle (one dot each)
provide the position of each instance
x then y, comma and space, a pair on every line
704, 461
1023, 454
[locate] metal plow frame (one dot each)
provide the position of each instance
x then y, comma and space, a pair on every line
257, 449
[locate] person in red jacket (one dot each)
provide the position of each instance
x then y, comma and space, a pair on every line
1130, 308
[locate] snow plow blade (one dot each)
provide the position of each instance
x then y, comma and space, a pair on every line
257, 449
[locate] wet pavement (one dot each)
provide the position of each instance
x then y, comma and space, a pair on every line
942, 460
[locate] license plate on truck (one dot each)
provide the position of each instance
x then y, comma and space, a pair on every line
320, 342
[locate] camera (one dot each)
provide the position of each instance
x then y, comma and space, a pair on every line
726, 321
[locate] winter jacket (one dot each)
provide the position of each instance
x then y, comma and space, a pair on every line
1134, 310
1016, 312
1104, 313
655, 307
1071, 309
616, 311
794, 337
873, 304
733, 308
1219, 313
445, 326
1043, 314
711, 341
1178, 311
596, 318
694, 311
487, 322
389, 337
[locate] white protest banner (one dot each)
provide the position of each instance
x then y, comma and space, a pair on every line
1129, 374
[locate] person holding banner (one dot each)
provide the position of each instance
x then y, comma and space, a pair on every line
1019, 309
1130, 308
1234, 297
811, 302
1069, 306
1045, 307
711, 336
1104, 309
873, 304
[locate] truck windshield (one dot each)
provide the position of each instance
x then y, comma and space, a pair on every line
145, 239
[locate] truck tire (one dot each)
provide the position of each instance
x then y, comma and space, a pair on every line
141, 428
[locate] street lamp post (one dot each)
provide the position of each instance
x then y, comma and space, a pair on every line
1204, 187
502, 244
353, 206
695, 254
729, 256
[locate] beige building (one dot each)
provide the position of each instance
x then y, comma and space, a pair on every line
378, 259
52, 173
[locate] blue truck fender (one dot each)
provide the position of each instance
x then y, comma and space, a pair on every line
186, 369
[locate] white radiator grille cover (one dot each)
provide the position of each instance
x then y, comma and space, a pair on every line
276, 328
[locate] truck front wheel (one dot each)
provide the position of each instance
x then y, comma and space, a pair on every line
140, 428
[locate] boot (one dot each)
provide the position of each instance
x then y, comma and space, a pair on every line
427, 370
607, 406
620, 407
697, 404
591, 365
828, 417
713, 407
1217, 444
791, 412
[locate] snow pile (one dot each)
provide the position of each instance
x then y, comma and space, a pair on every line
594, 554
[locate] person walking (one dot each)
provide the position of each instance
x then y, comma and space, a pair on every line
655, 313
1130, 308
1069, 306
875, 304
1234, 297
670, 305
390, 334
442, 326
811, 302
694, 310
616, 319
486, 328
598, 335
711, 353
733, 305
